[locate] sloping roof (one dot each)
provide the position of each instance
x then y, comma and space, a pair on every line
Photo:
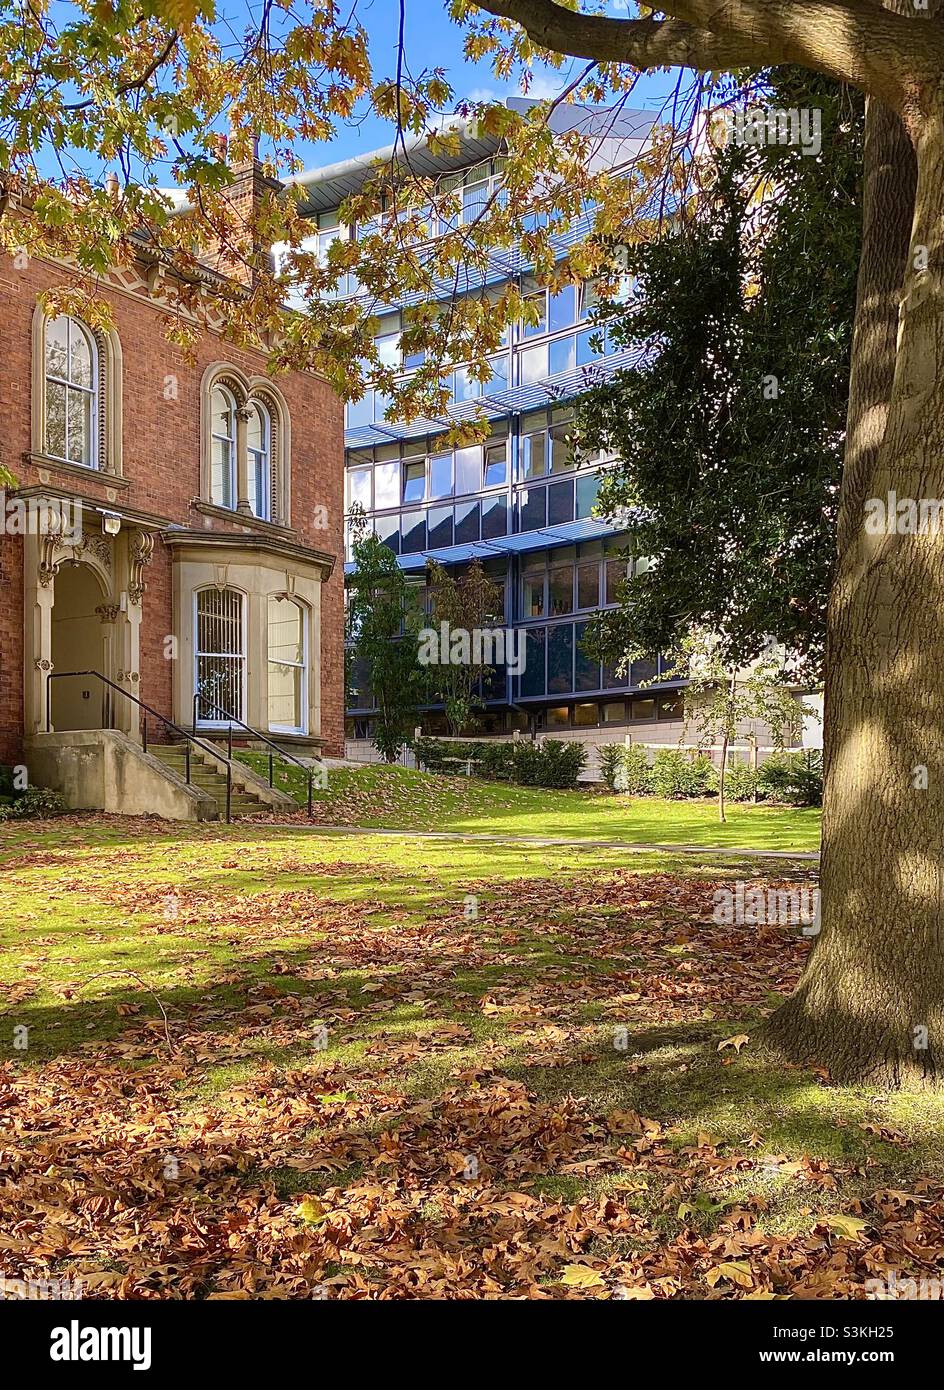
328, 185
546, 538
552, 390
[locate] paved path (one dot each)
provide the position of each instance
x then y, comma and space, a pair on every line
734, 853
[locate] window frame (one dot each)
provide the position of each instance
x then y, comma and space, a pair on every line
92, 392
303, 666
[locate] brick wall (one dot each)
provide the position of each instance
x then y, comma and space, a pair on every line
161, 461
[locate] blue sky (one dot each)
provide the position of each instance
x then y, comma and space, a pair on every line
433, 40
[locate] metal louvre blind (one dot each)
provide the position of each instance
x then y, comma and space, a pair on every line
220, 656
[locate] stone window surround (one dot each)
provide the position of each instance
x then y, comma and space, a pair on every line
257, 567
108, 430
246, 389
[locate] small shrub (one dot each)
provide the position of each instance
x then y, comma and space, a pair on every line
35, 803
496, 761
794, 778
551, 763
677, 773
740, 781
626, 769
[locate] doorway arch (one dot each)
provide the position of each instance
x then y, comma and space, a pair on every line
79, 642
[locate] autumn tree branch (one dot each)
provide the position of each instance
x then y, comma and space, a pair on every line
853, 41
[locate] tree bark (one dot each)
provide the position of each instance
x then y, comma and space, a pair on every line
870, 1005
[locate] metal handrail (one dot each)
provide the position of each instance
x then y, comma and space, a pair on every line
148, 709
234, 719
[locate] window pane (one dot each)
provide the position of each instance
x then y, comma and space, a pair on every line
414, 531
533, 508
80, 356
560, 503
223, 418
358, 488
532, 365
563, 355
360, 412
613, 678
440, 475
388, 530
614, 713
257, 432
560, 658
586, 716
558, 718
496, 468
286, 663
561, 590
586, 671
387, 484
532, 681
539, 301
589, 346
563, 308
532, 455
494, 518
469, 469
56, 419
414, 481
498, 381
286, 631
80, 426
221, 473
474, 198
532, 595
644, 709
220, 674
467, 522
388, 349
670, 707
615, 574
642, 671
588, 488
562, 457
440, 526
588, 585
57, 347
466, 387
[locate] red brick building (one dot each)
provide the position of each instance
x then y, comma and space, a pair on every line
194, 545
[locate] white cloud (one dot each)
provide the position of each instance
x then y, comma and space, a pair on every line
542, 87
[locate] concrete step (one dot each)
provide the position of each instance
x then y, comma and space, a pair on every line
206, 778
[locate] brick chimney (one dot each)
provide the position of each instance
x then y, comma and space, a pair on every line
249, 187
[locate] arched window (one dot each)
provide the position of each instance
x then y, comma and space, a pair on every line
220, 655
223, 447
288, 665
71, 370
259, 450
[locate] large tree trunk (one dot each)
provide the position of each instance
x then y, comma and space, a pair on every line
870, 1005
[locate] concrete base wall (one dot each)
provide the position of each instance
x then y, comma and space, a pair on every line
104, 770
665, 733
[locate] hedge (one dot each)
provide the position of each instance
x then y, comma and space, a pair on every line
794, 778
550, 763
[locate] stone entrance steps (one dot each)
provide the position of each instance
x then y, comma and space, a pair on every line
205, 777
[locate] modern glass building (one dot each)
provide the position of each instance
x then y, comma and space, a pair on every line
520, 502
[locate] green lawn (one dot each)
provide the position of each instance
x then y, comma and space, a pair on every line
417, 1068
397, 798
